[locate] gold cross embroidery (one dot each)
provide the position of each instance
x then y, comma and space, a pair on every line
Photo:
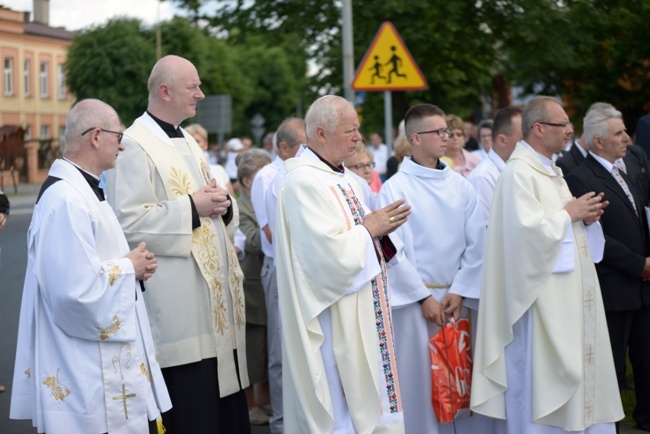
589, 355
589, 408
124, 397
590, 300
583, 247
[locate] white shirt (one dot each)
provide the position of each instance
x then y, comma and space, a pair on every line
381, 157
484, 180
261, 185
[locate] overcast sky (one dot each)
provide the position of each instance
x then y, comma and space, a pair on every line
78, 14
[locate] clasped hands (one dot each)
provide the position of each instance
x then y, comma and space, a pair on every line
144, 262
440, 313
211, 201
588, 207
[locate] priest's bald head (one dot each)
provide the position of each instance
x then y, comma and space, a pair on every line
174, 89
93, 136
332, 127
544, 125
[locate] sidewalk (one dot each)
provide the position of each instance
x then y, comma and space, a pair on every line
22, 202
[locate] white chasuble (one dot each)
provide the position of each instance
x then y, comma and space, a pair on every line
85, 361
196, 300
334, 307
573, 385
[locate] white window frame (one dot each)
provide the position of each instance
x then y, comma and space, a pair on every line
9, 75
43, 78
27, 75
61, 81
45, 132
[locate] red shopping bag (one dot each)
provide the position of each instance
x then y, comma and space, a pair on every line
451, 371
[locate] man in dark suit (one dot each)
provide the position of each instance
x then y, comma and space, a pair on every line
643, 133
625, 269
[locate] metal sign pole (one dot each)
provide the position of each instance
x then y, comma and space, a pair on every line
388, 121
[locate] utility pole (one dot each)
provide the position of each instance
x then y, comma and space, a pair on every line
158, 33
348, 51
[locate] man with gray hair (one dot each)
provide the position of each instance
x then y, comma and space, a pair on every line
289, 137
621, 172
543, 363
85, 360
162, 193
339, 368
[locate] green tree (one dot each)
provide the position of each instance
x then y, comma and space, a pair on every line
112, 63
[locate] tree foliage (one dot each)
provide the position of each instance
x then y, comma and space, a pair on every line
468, 50
112, 62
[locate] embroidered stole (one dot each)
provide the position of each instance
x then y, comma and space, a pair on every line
391, 404
206, 252
584, 260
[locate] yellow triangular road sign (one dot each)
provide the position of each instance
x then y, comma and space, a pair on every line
388, 65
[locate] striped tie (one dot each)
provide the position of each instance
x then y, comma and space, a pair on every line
623, 184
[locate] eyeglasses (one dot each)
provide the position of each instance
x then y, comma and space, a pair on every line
119, 135
440, 132
562, 125
362, 166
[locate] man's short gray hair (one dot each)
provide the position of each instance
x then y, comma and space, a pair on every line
87, 113
535, 111
595, 123
287, 131
251, 161
326, 111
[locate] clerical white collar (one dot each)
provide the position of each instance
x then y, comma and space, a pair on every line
81, 168
497, 160
606, 164
547, 162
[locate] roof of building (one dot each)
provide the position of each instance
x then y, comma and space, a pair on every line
38, 29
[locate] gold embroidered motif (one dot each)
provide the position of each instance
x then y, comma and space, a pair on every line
124, 397
114, 327
114, 271
180, 184
145, 371
28, 372
57, 390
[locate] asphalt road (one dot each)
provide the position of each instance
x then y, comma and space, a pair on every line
13, 261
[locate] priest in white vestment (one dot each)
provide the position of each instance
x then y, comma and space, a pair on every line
85, 361
162, 193
543, 363
339, 373
440, 276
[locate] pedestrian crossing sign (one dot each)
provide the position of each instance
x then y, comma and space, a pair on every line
388, 65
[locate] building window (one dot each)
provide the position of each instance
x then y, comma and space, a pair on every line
43, 80
61, 81
61, 135
28, 133
28, 76
45, 132
9, 76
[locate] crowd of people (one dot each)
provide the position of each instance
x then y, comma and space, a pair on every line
300, 285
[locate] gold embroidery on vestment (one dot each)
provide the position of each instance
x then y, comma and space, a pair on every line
28, 372
145, 371
57, 389
114, 271
114, 327
180, 184
124, 397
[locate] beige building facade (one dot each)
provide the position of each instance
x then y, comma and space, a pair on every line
33, 92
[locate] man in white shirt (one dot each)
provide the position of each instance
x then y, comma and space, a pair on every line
543, 362
290, 135
506, 132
